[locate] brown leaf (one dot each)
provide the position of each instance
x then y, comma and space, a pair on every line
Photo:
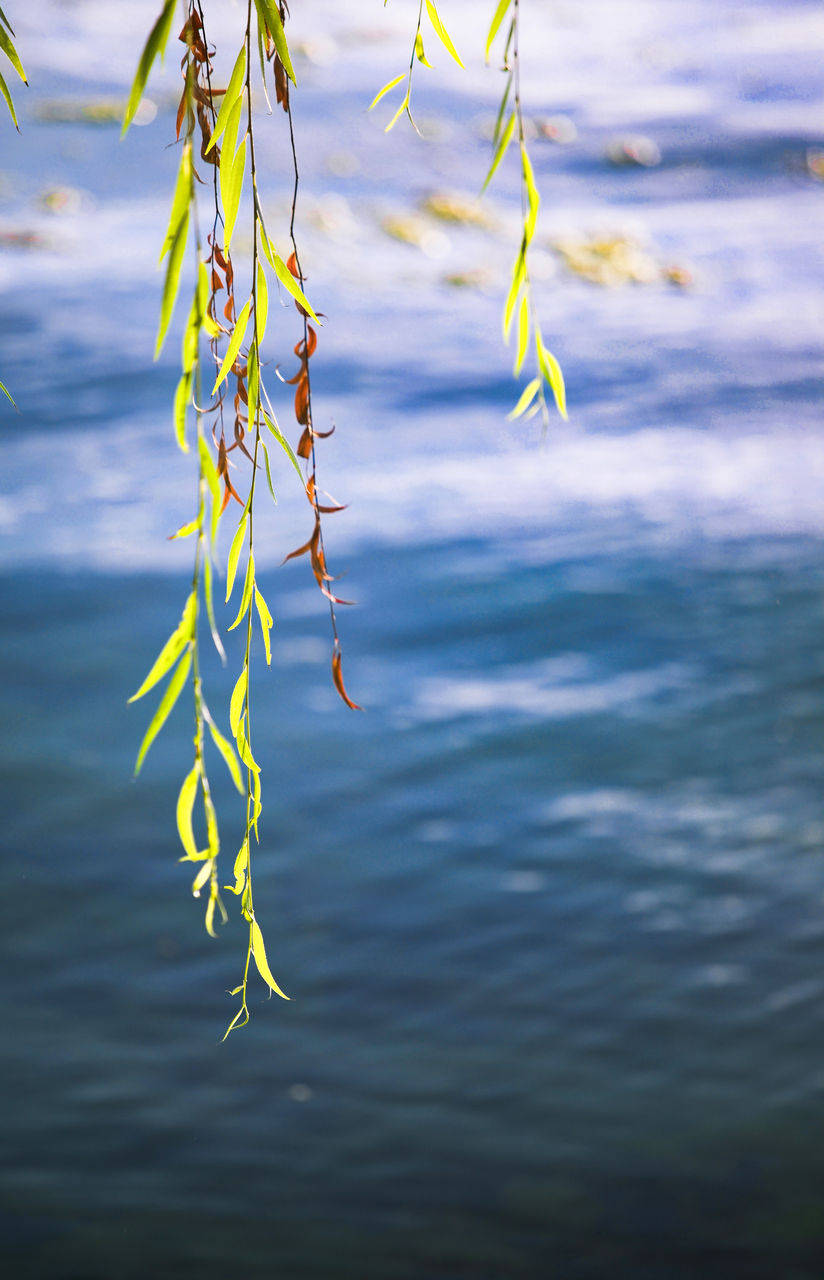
337, 676
304, 449
302, 402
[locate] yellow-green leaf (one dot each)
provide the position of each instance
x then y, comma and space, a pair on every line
156, 44
230, 97
532, 193
552, 372
497, 19
396, 117
201, 878
210, 604
186, 530
505, 139
390, 84
172, 649
523, 334
268, 470
185, 806
172, 281
512, 296
246, 598
181, 404
237, 700
441, 32
11, 53
213, 481
239, 869
4, 89
271, 17
259, 952
230, 192
234, 554
284, 444
527, 396
234, 344
168, 700
291, 285
420, 52
261, 303
265, 624
227, 751
180, 200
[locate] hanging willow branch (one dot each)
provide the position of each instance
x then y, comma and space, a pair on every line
217, 127
10, 52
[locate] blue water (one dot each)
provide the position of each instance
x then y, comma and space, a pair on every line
551, 913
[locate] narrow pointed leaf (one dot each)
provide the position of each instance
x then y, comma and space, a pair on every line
554, 376
230, 97
497, 19
234, 554
180, 200
268, 470
227, 751
261, 303
527, 396
185, 806
168, 700
237, 700
234, 344
505, 139
291, 285
7, 394
172, 649
284, 444
441, 32
4, 89
11, 53
523, 334
265, 624
172, 281
230, 192
156, 44
246, 598
390, 84
259, 952
271, 15
396, 117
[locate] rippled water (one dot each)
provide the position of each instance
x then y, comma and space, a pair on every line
552, 912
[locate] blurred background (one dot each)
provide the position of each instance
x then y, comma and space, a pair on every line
551, 913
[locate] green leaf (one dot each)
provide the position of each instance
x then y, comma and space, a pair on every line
554, 376
261, 303
514, 290
7, 393
168, 700
253, 385
6, 22
237, 700
527, 396
239, 871
259, 952
230, 97
156, 44
268, 470
265, 624
4, 89
212, 480
211, 825
532, 193
230, 191
185, 806
499, 119
505, 139
11, 53
396, 117
186, 530
201, 878
291, 285
420, 53
172, 649
273, 22
523, 334
234, 554
497, 19
234, 345
172, 281
390, 84
181, 404
284, 444
180, 200
246, 598
210, 605
441, 32
227, 751
244, 750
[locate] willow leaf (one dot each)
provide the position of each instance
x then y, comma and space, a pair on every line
245, 751
532, 193
253, 385
420, 52
396, 117
291, 285
6, 22
261, 303
234, 554
259, 952
265, 624
268, 471
527, 396
523, 334
7, 394
180, 200
234, 345
186, 530
4, 89
201, 878
172, 281
212, 480
185, 806
181, 403
172, 649
11, 53
230, 97
230, 191
390, 84
497, 19
168, 700
237, 700
271, 17
554, 376
239, 869
505, 139
210, 605
284, 444
512, 296
441, 32
246, 598
227, 751
156, 44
